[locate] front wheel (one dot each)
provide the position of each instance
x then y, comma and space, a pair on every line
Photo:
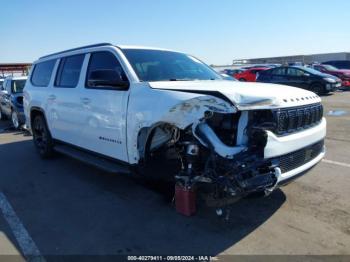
42, 137
14, 120
2, 115
242, 80
318, 89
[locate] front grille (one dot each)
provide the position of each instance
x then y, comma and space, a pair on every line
298, 158
290, 120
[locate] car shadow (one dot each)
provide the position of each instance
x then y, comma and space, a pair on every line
70, 208
6, 127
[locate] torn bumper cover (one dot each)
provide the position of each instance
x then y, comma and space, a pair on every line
239, 170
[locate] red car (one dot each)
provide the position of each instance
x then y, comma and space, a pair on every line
343, 74
250, 74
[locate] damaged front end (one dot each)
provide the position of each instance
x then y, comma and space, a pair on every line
225, 160
228, 144
222, 153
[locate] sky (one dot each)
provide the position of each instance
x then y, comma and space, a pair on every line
216, 31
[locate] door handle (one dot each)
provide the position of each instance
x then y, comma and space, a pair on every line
85, 100
52, 97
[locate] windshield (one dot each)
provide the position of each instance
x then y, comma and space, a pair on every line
330, 68
158, 65
18, 86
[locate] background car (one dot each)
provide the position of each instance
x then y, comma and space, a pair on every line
232, 72
1, 82
296, 64
268, 66
228, 77
340, 64
302, 77
343, 74
11, 100
250, 75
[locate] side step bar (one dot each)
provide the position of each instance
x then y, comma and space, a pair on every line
90, 159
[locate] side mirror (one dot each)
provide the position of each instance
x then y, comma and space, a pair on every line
107, 78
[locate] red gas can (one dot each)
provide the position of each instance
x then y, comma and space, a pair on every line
185, 200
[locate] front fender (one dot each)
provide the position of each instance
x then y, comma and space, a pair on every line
187, 112
178, 109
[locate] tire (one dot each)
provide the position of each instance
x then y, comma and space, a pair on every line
242, 80
2, 115
318, 89
42, 137
14, 120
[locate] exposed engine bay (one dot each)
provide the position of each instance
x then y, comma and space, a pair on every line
222, 155
217, 156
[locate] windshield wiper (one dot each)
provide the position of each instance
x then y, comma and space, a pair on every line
179, 79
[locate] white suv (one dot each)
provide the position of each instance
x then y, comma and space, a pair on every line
164, 113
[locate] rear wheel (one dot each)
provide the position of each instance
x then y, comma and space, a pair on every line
42, 137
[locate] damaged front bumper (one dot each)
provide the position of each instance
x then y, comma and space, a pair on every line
234, 172
238, 178
309, 156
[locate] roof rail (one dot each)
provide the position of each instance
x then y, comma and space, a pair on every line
77, 48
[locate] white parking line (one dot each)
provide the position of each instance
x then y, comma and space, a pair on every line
26, 243
336, 163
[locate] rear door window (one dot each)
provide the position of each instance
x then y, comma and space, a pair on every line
294, 72
68, 72
42, 73
279, 71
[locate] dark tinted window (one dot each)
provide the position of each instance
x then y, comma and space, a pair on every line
279, 71
158, 65
343, 64
42, 73
294, 72
17, 86
318, 68
103, 63
339, 64
69, 71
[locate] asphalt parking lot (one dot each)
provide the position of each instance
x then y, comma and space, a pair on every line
65, 207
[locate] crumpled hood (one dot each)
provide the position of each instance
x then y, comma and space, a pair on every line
246, 95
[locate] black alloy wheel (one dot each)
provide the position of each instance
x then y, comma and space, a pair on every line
42, 137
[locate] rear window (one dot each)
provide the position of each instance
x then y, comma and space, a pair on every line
42, 73
17, 86
69, 71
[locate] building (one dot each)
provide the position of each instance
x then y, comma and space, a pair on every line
14, 69
306, 59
